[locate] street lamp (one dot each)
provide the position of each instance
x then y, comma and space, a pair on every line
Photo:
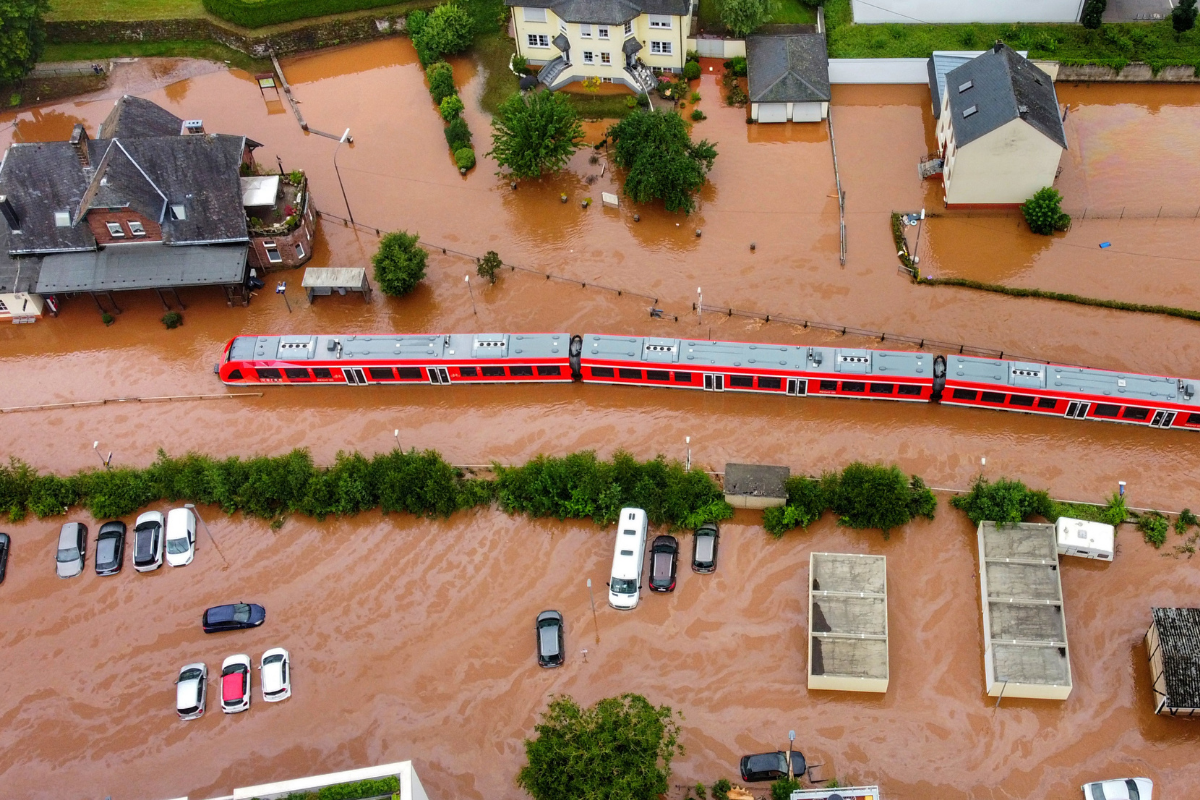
105, 461
192, 508
791, 741
688, 441
345, 138
396, 435
471, 292
594, 618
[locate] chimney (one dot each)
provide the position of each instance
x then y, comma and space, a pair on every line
998, 46
79, 140
10, 213
192, 126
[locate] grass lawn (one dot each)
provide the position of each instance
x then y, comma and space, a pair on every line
124, 9
211, 51
786, 12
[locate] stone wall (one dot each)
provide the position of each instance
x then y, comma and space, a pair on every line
1132, 73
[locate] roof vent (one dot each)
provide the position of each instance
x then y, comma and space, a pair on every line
1023, 109
963, 87
968, 112
193, 126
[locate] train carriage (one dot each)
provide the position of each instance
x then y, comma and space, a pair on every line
1073, 392
744, 367
359, 360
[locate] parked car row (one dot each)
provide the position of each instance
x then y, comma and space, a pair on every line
191, 687
624, 587
154, 537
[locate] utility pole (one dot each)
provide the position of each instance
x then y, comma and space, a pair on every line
107, 462
594, 618
192, 508
345, 138
471, 292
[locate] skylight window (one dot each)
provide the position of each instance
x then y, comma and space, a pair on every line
137, 228
62, 219
968, 112
178, 211
963, 87
114, 230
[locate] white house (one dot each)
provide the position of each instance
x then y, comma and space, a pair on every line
617, 41
914, 11
1000, 132
788, 76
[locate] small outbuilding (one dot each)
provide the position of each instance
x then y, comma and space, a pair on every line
847, 622
1173, 649
788, 75
755, 485
327, 280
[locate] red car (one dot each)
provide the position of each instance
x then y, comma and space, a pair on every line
235, 684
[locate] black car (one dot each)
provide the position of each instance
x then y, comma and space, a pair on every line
664, 559
771, 766
550, 633
704, 548
110, 548
4, 545
233, 617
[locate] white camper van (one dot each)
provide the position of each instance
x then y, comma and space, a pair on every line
628, 555
1077, 537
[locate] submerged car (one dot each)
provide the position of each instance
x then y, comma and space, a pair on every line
233, 617
148, 542
181, 537
191, 691
1121, 789
664, 560
276, 669
110, 548
550, 634
235, 684
704, 548
5, 543
771, 766
72, 550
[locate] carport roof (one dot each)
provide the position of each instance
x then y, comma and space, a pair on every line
788, 68
143, 266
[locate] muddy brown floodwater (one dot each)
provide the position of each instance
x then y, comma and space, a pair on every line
413, 639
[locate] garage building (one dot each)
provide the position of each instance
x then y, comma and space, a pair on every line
788, 75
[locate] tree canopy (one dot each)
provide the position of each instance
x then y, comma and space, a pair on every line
1183, 16
743, 16
619, 749
534, 134
447, 29
22, 37
1044, 212
1092, 14
399, 263
663, 162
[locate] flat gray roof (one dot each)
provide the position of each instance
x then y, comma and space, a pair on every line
334, 278
142, 266
848, 622
399, 347
756, 480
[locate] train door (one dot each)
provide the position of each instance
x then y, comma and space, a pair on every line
797, 386
1077, 410
438, 375
1162, 419
714, 383
354, 376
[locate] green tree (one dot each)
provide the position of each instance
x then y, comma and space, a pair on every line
875, 496
1183, 16
534, 134
743, 16
489, 266
1093, 10
1005, 502
22, 37
447, 29
619, 749
1044, 212
661, 158
399, 263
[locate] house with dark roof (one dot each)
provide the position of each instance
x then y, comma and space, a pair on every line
1173, 650
154, 202
788, 73
1000, 131
623, 42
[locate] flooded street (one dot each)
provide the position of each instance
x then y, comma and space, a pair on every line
413, 638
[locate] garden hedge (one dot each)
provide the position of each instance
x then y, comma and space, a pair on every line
257, 13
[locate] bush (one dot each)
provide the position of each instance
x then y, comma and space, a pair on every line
806, 502
448, 29
1004, 502
1185, 520
697, 115
172, 319
451, 107
360, 789
414, 23
458, 134
399, 263
743, 16
875, 496
1093, 10
1044, 212
520, 65
107, 318
464, 158
257, 13
782, 789
691, 70
720, 789
737, 65
441, 81
1153, 526
489, 266
631, 102
643, 100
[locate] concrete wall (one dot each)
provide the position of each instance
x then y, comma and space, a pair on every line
718, 48
915, 11
879, 70
1132, 73
410, 786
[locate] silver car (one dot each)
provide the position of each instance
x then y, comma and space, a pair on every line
190, 691
72, 549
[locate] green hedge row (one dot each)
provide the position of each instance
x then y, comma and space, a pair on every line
1007, 502
902, 245
257, 13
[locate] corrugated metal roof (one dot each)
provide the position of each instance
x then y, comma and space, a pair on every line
142, 266
1179, 638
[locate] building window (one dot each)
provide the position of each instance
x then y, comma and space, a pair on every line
602, 31
628, 29
62, 219
534, 14
114, 230
585, 31
299, 250
605, 58
273, 255
539, 40
562, 27
606, 80
661, 48
660, 21
588, 58
137, 228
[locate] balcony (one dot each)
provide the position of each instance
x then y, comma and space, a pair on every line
275, 204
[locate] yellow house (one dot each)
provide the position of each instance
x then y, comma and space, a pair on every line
617, 41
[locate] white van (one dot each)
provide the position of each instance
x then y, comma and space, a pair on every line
628, 556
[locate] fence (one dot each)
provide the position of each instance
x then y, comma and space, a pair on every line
879, 70
841, 192
1165, 211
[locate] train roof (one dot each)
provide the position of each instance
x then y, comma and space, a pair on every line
399, 347
1078, 380
698, 354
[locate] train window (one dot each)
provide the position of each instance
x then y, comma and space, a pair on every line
266, 374
468, 372
882, 388
493, 372
828, 386
657, 375
603, 372
992, 397
1193, 419
236, 375
770, 383
905, 388
853, 386
630, 374
546, 370
381, 374
1047, 402
408, 373
742, 381
322, 373
964, 394
1106, 410
1020, 400
1138, 414
521, 372
683, 377
295, 374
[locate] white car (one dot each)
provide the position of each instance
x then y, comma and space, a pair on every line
181, 537
190, 691
148, 542
1120, 789
276, 675
235, 684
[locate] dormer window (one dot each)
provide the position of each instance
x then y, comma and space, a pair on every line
62, 219
114, 230
137, 228
178, 211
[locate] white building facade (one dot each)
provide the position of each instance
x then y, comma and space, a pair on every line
916, 11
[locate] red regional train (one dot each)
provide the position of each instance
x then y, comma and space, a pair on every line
797, 370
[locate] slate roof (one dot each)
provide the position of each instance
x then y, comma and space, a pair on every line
133, 117
788, 68
606, 12
143, 267
1179, 638
40, 179
1004, 87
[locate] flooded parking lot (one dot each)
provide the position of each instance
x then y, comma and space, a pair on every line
413, 639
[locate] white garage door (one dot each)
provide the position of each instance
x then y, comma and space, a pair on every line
806, 112
772, 112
